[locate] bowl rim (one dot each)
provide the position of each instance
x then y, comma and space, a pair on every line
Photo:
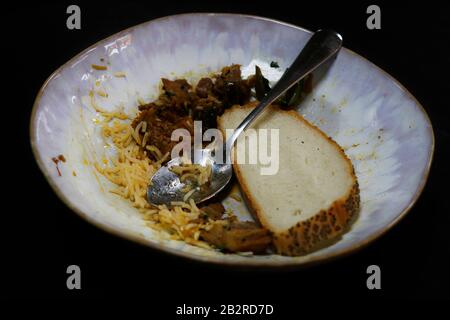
250, 263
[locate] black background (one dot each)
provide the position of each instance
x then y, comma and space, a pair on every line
41, 236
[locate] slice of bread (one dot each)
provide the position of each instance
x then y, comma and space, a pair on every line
312, 199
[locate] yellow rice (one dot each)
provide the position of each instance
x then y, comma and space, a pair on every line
131, 170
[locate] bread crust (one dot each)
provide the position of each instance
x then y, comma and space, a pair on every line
323, 228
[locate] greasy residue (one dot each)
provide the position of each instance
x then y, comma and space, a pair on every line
56, 160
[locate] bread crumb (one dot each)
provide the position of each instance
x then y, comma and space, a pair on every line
235, 197
98, 67
119, 74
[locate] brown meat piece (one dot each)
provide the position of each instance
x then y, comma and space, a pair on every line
251, 81
204, 87
176, 93
147, 106
230, 88
179, 87
161, 122
213, 211
206, 111
231, 73
237, 236
178, 106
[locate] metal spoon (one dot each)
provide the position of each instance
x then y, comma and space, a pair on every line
166, 187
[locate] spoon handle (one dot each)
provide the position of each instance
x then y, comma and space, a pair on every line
322, 46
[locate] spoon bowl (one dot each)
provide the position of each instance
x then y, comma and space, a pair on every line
166, 187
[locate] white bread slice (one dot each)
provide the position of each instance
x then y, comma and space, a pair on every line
311, 200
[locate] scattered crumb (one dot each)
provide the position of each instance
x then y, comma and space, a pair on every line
119, 74
99, 67
56, 160
74, 173
101, 93
236, 197
245, 254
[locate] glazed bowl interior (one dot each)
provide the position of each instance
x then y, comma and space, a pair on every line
381, 127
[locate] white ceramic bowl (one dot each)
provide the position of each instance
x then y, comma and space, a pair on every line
383, 129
